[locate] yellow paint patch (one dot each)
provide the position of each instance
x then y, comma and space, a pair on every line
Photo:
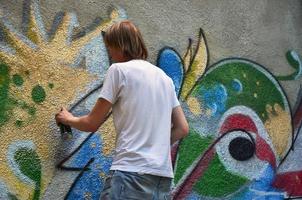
279, 128
13, 183
49, 63
93, 145
187, 58
36, 129
194, 105
208, 112
197, 69
20, 114
102, 175
87, 196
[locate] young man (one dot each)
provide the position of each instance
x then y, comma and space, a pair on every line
144, 105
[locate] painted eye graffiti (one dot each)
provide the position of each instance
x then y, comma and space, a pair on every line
242, 148
241, 124
239, 135
234, 139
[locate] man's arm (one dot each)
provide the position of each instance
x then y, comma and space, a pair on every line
87, 123
180, 127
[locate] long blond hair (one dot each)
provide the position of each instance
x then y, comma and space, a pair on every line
126, 37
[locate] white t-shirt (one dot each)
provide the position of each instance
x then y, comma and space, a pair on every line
143, 97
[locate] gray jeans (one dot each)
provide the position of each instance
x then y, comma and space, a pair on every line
120, 185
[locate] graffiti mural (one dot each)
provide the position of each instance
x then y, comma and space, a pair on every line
37, 74
243, 133
241, 127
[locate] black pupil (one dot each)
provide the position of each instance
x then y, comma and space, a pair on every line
241, 148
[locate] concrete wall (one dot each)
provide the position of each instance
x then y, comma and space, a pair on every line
236, 66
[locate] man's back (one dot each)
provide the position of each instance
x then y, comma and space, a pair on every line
142, 111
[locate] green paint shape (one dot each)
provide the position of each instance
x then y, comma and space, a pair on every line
19, 123
32, 110
295, 62
18, 80
50, 85
7, 101
217, 182
38, 94
12, 197
291, 60
254, 80
190, 149
5, 104
30, 165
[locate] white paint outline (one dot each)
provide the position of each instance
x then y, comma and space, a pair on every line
12, 149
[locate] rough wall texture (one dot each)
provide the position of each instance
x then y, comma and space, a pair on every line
236, 66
